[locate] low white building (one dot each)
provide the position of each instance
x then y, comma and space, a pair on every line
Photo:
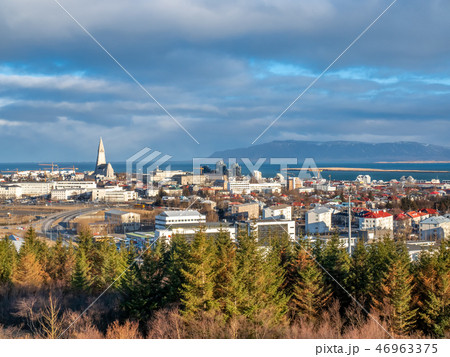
173, 218
125, 221
325, 187
278, 212
269, 228
318, 220
189, 230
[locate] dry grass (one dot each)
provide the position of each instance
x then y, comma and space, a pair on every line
127, 330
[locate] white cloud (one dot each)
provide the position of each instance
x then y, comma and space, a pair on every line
4, 122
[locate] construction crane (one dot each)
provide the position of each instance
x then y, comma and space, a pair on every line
73, 168
16, 171
52, 165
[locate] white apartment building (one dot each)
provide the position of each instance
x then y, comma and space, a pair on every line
113, 194
265, 187
160, 175
318, 220
20, 189
173, 218
435, 228
65, 194
238, 186
278, 212
35, 188
10, 191
376, 220
244, 186
68, 185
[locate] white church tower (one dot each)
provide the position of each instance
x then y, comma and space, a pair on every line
103, 170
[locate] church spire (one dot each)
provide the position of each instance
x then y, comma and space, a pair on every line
101, 158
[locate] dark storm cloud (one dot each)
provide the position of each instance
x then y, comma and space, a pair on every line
225, 70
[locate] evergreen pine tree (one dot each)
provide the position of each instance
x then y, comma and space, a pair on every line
359, 279
145, 288
8, 260
381, 256
177, 256
81, 279
394, 300
433, 290
260, 280
34, 246
227, 288
197, 292
336, 261
309, 290
108, 264
60, 263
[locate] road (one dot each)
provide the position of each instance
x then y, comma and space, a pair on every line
47, 226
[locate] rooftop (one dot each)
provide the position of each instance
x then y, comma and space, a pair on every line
274, 207
436, 220
187, 213
379, 214
116, 212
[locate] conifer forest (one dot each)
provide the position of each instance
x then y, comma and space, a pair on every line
212, 287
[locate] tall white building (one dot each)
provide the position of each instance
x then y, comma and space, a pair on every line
364, 179
318, 220
257, 174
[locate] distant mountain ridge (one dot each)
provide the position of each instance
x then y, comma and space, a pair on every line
341, 151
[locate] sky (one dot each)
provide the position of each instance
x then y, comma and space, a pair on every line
224, 70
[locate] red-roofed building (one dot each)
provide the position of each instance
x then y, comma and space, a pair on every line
376, 220
417, 217
430, 211
402, 220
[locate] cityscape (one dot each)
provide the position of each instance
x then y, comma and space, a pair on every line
210, 172
132, 213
